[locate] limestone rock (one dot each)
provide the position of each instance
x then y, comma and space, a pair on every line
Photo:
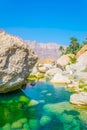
64, 60
81, 64
16, 62
79, 99
53, 71
82, 50
60, 78
70, 69
80, 75
44, 65
42, 69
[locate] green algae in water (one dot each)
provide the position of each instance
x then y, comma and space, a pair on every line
14, 109
52, 112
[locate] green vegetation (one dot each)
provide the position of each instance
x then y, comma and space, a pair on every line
32, 77
72, 60
83, 85
73, 47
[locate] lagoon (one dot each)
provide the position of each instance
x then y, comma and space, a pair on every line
43, 106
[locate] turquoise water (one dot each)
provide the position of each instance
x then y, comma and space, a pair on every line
41, 107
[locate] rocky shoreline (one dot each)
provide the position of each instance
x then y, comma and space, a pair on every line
74, 75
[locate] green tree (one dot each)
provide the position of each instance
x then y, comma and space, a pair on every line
73, 47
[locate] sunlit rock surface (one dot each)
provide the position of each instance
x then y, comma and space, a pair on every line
79, 99
16, 62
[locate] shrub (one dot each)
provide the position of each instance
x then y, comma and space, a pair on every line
83, 86
33, 77
72, 59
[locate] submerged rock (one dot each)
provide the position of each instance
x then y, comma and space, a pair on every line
16, 125
42, 101
23, 120
79, 99
45, 120
33, 103
24, 99
34, 124
65, 118
6, 127
26, 126
65, 113
49, 94
16, 62
57, 108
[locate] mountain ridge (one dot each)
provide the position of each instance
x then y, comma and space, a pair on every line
45, 50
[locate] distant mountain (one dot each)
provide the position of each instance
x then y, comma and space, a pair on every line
49, 50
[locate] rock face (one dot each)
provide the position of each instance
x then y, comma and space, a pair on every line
44, 51
16, 62
79, 99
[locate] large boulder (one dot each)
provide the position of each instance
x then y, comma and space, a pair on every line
81, 64
16, 62
79, 99
60, 78
64, 60
79, 69
80, 75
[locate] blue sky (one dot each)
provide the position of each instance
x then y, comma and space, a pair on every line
45, 20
